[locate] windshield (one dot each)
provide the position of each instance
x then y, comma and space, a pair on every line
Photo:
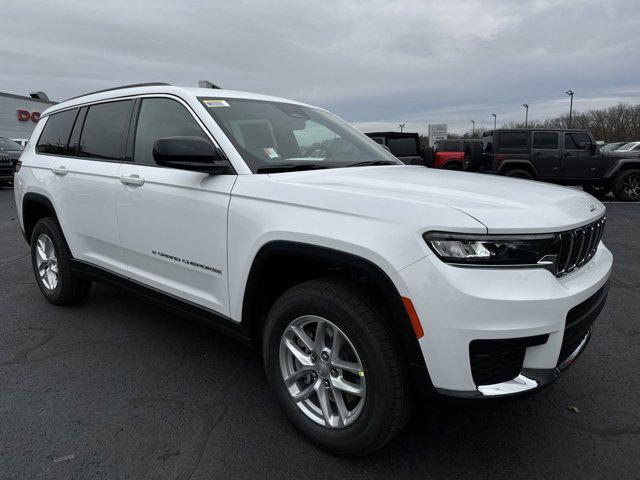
9, 145
627, 146
276, 135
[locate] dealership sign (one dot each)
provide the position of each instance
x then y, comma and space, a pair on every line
26, 115
437, 132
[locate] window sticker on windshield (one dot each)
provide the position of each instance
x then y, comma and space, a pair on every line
270, 152
216, 103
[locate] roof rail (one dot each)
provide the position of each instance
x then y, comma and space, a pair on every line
149, 84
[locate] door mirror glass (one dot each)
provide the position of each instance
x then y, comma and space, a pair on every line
189, 153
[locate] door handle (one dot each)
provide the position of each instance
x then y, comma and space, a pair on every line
60, 171
133, 180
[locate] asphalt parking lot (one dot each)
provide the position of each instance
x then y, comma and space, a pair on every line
119, 388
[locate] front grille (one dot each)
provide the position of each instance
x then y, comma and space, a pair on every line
578, 246
5, 160
496, 361
580, 320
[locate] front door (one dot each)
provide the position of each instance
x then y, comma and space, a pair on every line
545, 154
579, 160
173, 223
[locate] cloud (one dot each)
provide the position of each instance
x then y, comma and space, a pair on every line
375, 63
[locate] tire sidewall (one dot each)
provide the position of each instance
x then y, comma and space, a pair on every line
366, 427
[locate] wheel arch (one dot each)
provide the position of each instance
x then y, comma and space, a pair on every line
35, 206
624, 164
507, 165
293, 262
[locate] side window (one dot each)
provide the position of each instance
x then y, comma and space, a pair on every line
159, 118
102, 133
451, 147
512, 142
55, 135
545, 140
402, 146
572, 141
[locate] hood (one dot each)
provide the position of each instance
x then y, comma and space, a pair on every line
501, 204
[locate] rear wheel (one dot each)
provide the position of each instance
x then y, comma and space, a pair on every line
51, 262
334, 366
598, 191
626, 186
519, 173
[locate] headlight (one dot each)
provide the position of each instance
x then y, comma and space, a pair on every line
493, 249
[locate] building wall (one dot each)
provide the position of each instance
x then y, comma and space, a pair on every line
10, 124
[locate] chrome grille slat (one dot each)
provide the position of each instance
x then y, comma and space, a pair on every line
578, 246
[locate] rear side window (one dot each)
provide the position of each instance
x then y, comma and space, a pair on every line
512, 142
572, 141
545, 140
159, 118
450, 146
55, 134
102, 133
402, 146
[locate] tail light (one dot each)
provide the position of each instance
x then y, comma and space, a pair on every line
18, 165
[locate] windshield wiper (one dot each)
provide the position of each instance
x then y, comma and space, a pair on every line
289, 167
373, 162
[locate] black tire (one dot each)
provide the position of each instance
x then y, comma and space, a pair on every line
70, 288
626, 186
519, 173
388, 402
598, 191
453, 166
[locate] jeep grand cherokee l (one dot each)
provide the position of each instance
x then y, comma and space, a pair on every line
364, 280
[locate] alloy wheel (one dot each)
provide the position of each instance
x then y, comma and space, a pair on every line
322, 371
631, 186
47, 262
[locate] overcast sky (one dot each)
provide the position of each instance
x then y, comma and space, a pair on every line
375, 63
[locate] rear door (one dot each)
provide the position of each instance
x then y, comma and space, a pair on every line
83, 178
545, 153
173, 223
579, 161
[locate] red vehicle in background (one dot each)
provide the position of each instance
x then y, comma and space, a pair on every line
451, 154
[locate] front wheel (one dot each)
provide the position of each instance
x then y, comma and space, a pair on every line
334, 366
626, 186
598, 191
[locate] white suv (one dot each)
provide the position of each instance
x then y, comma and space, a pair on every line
364, 280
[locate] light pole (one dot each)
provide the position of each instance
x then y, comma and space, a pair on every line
570, 93
526, 114
401, 125
473, 127
495, 119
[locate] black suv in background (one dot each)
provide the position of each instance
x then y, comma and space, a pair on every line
568, 157
10, 152
404, 146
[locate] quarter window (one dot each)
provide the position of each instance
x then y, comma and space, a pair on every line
159, 118
545, 140
103, 130
55, 135
572, 141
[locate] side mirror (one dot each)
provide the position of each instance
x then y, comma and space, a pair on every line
587, 146
189, 153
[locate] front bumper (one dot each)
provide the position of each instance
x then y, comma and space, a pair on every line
525, 310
